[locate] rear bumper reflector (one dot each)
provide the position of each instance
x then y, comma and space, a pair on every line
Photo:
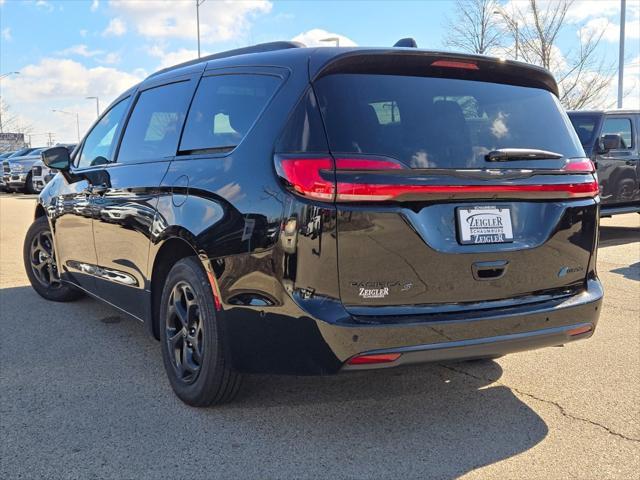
580, 330
374, 358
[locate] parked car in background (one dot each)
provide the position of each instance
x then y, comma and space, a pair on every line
319, 210
610, 138
6, 170
17, 171
2, 157
41, 174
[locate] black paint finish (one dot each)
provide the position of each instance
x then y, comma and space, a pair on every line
286, 269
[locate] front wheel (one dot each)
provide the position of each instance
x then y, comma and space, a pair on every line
193, 349
41, 266
28, 185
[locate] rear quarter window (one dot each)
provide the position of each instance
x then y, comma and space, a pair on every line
224, 109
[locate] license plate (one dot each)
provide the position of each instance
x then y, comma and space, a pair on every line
478, 225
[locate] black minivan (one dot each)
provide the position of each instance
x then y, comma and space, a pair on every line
298, 210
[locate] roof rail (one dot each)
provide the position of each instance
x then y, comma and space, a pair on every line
259, 48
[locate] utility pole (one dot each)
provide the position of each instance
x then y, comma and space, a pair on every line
198, 3
623, 5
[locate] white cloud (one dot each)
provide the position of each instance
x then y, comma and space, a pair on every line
314, 37
6, 34
63, 84
81, 50
64, 79
94, 5
611, 30
168, 59
45, 4
219, 20
116, 28
83, 33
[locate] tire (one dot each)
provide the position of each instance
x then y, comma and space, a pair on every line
625, 190
40, 264
191, 339
28, 185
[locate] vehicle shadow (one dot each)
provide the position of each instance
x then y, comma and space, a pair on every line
612, 236
632, 272
430, 421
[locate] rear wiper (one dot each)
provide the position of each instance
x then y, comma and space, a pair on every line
507, 154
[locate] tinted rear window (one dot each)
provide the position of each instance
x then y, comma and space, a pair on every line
439, 122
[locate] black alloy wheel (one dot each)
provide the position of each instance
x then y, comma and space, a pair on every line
184, 332
194, 349
43, 260
41, 266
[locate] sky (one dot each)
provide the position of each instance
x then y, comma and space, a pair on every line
68, 50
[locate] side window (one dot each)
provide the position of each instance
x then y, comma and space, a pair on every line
620, 127
224, 109
154, 126
98, 146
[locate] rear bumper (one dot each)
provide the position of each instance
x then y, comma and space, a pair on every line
303, 345
491, 347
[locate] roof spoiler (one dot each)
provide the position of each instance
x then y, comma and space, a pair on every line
406, 43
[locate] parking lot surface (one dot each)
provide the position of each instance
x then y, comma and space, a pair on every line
83, 395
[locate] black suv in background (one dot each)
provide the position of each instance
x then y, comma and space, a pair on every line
610, 138
318, 210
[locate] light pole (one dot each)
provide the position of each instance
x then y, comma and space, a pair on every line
77, 120
332, 39
623, 6
514, 24
97, 104
3, 75
198, 3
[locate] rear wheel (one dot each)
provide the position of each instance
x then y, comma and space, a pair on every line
193, 349
41, 266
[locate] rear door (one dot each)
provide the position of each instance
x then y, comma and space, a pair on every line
434, 207
127, 191
618, 164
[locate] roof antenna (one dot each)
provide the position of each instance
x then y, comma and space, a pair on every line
406, 42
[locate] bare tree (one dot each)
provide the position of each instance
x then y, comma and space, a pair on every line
11, 122
583, 75
474, 28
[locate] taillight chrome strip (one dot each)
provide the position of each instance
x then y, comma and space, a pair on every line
314, 178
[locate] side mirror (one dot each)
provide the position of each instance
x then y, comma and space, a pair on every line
610, 142
57, 157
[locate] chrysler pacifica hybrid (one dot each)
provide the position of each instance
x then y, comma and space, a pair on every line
282, 209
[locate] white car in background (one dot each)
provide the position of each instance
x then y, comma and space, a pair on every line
41, 174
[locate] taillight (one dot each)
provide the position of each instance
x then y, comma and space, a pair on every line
317, 178
310, 177
579, 165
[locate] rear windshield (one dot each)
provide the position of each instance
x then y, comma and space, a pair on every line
585, 126
439, 122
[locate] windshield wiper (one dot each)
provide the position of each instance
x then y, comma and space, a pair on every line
508, 154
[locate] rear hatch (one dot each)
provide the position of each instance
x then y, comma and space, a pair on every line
450, 187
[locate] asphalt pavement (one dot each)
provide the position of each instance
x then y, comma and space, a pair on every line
83, 395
